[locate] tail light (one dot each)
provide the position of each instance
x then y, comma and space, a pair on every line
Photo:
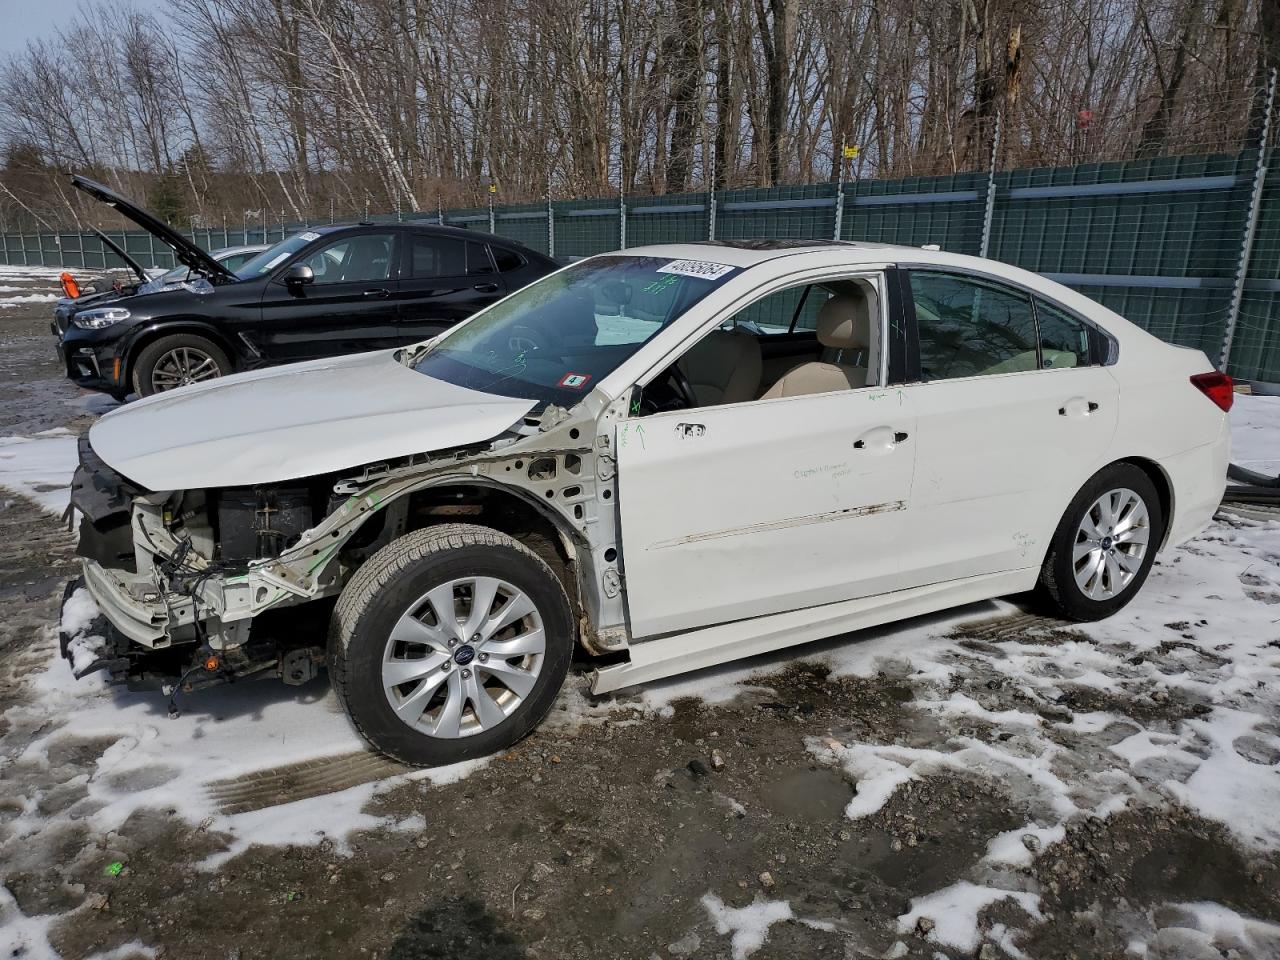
69, 285
1217, 387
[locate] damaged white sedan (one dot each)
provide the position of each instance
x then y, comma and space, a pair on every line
670, 457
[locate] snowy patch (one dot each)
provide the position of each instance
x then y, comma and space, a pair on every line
223, 732
1255, 433
8, 302
40, 467
749, 925
954, 911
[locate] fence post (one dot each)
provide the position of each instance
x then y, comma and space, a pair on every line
839, 218
989, 214
4, 246
1250, 225
711, 213
622, 219
551, 228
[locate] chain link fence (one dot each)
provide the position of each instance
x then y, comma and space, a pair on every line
1187, 247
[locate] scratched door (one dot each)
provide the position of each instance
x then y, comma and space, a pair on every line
755, 508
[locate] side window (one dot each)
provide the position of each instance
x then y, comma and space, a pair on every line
478, 260
794, 310
969, 327
507, 260
437, 257
1064, 340
353, 259
235, 261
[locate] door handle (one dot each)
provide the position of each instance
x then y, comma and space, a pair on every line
1077, 407
879, 439
486, 287
377, 294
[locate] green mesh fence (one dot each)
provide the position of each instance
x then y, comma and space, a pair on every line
1157, 240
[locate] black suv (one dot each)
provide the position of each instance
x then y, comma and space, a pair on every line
323, 292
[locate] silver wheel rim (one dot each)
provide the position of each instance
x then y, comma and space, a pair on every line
181, 366
1111, 544
463, 657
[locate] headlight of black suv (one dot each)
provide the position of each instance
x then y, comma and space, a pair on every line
99, 317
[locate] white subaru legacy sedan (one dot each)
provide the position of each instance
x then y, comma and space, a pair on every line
671, 457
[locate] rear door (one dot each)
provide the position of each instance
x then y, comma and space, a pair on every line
1007, 429
445, 279
349, 308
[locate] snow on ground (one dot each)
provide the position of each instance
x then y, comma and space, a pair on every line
749, 925
40, 467
1255, 433
19, 272
238, 728
7, 302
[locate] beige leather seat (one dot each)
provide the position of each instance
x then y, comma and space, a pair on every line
723, 367
844, 323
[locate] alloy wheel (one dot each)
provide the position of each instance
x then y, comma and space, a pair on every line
1111, 544
463, 657
182, 366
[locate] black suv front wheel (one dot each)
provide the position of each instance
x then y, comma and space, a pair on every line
176, 361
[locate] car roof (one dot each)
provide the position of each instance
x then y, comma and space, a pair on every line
435, 230
749, 253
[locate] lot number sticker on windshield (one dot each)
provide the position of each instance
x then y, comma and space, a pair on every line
309, 236
574, 381
696, 268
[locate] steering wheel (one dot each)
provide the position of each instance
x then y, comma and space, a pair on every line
674, 392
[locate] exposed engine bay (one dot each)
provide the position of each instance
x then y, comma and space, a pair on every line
210, 586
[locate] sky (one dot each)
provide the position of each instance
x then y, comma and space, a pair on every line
23, 20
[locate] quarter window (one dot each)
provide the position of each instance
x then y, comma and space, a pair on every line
507, 260
1064, 340
970, 328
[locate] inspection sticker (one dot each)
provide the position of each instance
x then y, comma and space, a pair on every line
697, 268
574, 381
309, 236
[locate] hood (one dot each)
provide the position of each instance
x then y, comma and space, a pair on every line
186, 252
119, 251
295, 421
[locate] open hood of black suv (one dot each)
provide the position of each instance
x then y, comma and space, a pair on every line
115, 248
186, 252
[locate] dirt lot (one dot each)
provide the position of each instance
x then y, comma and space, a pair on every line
986, 784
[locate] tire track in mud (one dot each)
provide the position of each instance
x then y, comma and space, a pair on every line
275, 786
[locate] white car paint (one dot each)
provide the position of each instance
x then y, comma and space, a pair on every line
746, 527
294, 421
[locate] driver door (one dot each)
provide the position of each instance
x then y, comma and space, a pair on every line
747, 509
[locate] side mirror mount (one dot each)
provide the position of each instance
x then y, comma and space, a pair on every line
299, 275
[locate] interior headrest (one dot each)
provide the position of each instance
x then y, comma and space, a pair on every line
844, 322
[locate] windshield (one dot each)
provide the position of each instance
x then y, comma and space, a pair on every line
272, 257
556, 339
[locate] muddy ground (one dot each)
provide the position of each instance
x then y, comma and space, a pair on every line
601, 838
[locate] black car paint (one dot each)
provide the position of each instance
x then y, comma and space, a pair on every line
264, 321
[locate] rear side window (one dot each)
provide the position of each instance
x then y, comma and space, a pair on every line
437, 257
1064, 339
478, 261
507, 260
969, 327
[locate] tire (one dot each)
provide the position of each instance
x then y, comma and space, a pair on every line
205, 359
1083, 587
397, 594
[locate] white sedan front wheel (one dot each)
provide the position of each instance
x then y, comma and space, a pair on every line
450, 643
